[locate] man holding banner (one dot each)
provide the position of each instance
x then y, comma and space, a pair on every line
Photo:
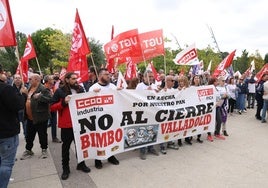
60, 102
147, 84
104, 84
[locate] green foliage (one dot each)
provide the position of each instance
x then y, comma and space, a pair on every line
266, 58
59, 45
259, 62
8, 59
97, 54
43, 51
242, 63
208, 55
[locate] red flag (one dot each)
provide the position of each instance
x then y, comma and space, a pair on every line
62, 73
29, 51
155, 73
110, 65
124, 45
79, 50
131, 71
247, 72
263, 70
23, 66
224, 64
7, 32
181, 72
152, 43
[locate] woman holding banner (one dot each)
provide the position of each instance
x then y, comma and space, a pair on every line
183, 83
196, 83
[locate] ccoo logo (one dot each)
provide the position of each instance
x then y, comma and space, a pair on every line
77, 38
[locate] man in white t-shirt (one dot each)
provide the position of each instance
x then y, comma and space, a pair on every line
147, 84
251, 91
169, 84
104, 83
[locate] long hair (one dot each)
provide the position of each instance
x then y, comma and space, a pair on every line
66, 86
192, 81
212, 80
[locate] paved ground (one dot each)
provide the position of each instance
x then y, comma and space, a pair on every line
239, 161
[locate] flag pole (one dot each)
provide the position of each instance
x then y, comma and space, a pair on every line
94, 66
165, 69
38, 66
19, 62
165, 64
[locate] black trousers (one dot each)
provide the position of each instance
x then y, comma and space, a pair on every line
32, 129
218, 121
67, 137
231, 107
259, 106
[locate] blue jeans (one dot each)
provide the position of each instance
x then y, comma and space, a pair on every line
240, 101
22, 121
264, 109
53, 123
8, 149
148, 148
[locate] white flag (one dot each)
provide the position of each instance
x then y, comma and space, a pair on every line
187, 57
121, 82
209, 66
252, 68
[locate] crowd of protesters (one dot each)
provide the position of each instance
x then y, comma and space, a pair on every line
47, 98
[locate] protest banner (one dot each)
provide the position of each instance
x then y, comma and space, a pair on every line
111, 122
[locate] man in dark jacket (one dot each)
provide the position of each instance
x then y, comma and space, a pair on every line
60, 102
259, 94
37, 114
10, 103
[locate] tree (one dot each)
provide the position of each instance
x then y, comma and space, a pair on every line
44, 52
8, 59
242, 63
266, 58
259, 62
208, 55
97, 53
60, 45
8, 56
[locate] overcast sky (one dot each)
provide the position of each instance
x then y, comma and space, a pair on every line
237, 24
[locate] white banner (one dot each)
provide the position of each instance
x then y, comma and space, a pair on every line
112, 122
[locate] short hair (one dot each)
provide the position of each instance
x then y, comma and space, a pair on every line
92, 69
47, 78
146, 72
102, 70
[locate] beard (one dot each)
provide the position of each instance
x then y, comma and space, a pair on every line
104, 81
75, 86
